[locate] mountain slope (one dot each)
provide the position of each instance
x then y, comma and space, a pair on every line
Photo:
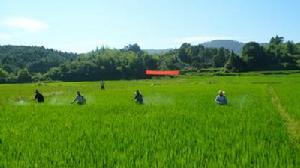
157, 51
35, 59
227, 44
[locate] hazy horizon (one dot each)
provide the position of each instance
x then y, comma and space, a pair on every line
109, 47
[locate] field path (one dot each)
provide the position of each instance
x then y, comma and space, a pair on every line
293, 126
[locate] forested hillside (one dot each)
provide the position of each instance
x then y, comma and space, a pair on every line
26, 64
35, 59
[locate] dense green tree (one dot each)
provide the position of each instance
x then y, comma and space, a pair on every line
277, 40
3, 76
184, 53
291, 47
151, 62
281, 55
23, 75
54, 73
171, 61
234, 63
219, 59
254, 56
133, 47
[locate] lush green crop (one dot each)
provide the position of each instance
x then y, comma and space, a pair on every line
178, 126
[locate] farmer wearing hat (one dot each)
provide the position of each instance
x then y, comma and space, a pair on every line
39, 97
79, 99
221, 98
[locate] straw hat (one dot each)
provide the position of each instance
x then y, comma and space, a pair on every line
221, 92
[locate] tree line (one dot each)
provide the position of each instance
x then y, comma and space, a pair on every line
27, 64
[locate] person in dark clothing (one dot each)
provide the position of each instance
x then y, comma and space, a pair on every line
39, 97
138, 97
102, 85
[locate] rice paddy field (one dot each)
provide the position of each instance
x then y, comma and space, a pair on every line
179, 125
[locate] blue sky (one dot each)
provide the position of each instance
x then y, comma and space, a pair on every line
80, 26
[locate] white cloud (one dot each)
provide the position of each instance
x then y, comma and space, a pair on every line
201, 39
5, 36
27, 24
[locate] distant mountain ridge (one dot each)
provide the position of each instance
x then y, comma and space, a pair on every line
157, 51
233, 45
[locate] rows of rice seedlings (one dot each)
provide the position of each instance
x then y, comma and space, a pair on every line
178, 126
289, 96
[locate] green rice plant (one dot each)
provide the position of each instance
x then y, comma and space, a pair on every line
178, 126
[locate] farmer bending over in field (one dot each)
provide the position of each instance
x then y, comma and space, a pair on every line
38, 97
221, 98
79, 99
138, 97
